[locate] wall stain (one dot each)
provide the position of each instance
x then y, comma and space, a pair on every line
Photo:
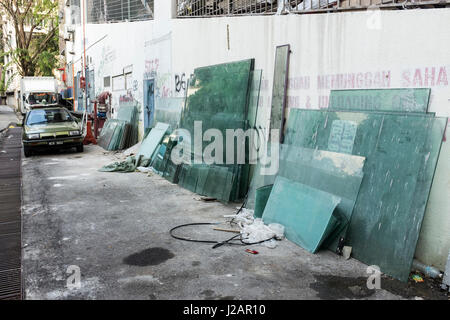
212, 295
333, 287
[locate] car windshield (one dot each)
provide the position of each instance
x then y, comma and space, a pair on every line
41, 98
41, 116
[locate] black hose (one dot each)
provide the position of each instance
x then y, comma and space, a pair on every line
216, 243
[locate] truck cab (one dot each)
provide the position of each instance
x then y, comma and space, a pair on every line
37, 92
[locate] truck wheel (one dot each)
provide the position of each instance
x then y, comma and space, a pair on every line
80, 148
27, 151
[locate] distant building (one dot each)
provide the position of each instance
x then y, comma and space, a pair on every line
12, 74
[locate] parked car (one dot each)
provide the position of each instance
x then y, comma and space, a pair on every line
50, 127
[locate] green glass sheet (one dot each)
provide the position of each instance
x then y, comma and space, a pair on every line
219, 182
187, 179
151, 143
106, 134
255, 89
253, 107
157, 162
260, 180
261, 197
162, 164
305, 212
396, 100
170, 169
218, 97
280, 80
336, 173
401, 152
129, 113
168, 110
113, 134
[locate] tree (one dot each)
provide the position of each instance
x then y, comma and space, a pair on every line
4, 83
36, 35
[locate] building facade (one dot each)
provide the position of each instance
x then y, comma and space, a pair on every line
12, 73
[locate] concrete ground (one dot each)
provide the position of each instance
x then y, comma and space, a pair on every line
115, 228
7, 116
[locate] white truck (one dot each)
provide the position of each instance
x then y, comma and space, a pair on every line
37, 91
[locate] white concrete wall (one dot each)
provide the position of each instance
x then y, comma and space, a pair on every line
388, 49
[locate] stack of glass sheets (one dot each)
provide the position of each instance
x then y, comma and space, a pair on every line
120, 133
218, 98
114, 135
401, 151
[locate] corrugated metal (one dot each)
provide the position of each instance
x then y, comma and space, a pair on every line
10, 215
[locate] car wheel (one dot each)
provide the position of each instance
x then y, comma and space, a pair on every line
27, 151
80, 148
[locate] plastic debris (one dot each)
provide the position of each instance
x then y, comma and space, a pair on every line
428, 270
251, 251
144, 169
129, 165
346, 252
417, 278
254, 230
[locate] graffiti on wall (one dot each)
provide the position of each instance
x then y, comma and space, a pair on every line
151, 67
180, 82
158, 65
128, 97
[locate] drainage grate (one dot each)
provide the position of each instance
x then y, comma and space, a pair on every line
9, 252
10, 284
10, 215
10, 227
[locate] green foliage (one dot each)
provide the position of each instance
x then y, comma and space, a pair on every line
36, 49
4, 84
46, 63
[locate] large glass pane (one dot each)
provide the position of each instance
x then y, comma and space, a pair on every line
168, 110
396, 100
255, 88
129, 112
308, 224
280, 78
217, 98
336, 173
401, 152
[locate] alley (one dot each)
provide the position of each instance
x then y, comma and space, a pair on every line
205, 150
115, 228
7, 116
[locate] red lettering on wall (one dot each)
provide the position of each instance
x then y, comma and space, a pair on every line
425, 77
442, 78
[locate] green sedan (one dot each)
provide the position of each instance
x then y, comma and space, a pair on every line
50, 127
